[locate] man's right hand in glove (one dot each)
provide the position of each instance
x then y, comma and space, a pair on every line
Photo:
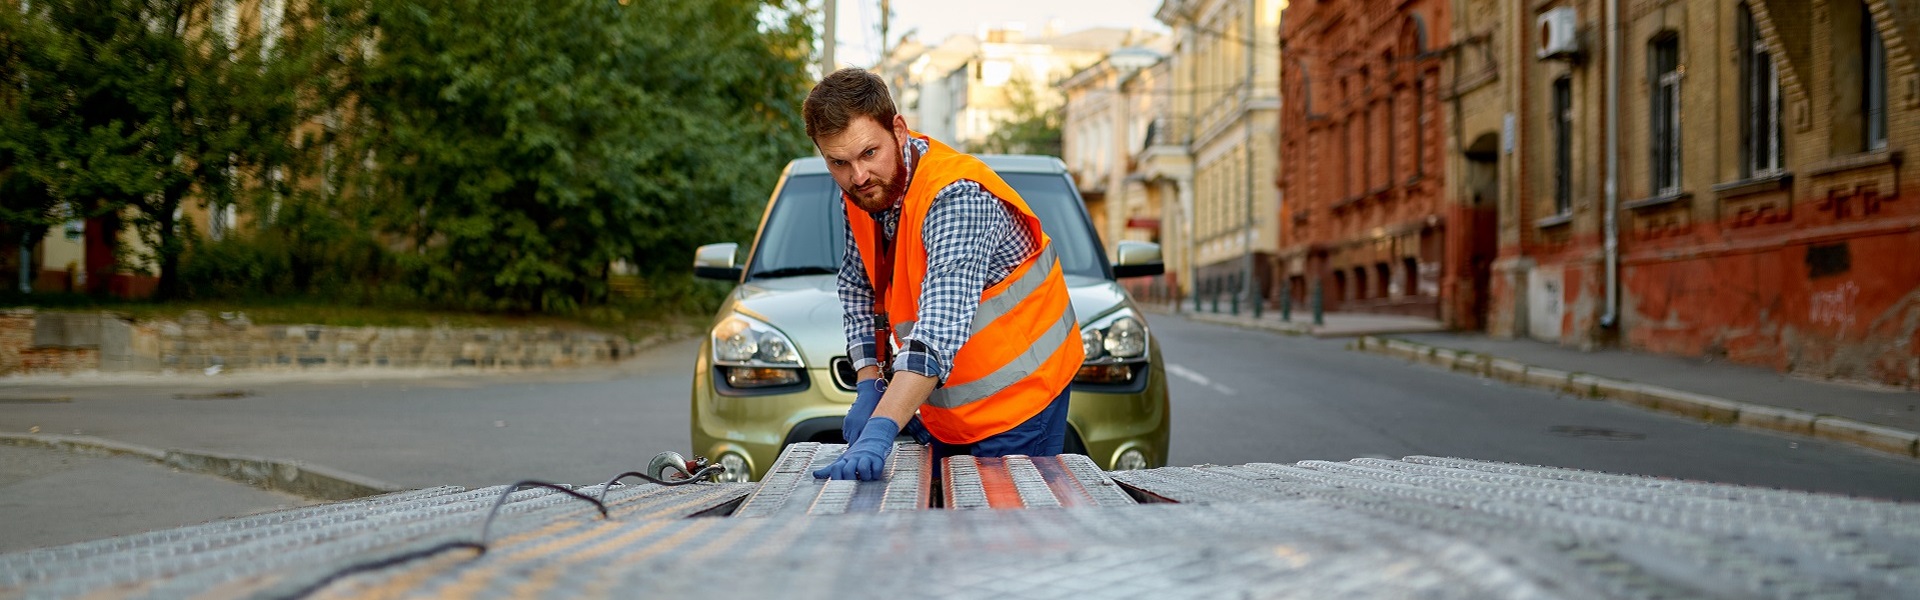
866, 395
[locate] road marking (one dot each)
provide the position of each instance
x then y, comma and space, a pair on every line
1191, 375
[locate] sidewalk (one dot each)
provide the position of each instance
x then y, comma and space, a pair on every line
55, 497
1884, 419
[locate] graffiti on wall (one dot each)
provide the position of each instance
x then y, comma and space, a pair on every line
1834, 307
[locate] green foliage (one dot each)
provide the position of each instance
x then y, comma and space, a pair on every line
525, 147
1032, 128
448, 153
142, 105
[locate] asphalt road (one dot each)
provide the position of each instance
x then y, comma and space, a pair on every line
1239, 396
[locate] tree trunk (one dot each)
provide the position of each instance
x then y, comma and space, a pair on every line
168, 249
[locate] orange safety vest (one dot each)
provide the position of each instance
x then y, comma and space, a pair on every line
1024, 347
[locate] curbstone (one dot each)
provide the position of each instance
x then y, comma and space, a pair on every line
1441, 357
1553, 379
1885, 439
1584, 385
1622, 391
1701, 407
1507, 370
1777, 419
1470, 363
292, 477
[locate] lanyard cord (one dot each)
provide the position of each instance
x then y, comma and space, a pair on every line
882, 279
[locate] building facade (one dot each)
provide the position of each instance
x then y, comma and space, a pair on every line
1224, 71
961, 90
1746, 197
1371, 224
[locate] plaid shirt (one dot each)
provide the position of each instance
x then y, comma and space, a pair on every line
972, 243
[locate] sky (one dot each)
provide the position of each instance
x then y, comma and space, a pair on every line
937, 19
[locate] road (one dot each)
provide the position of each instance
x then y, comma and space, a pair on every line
1239, 396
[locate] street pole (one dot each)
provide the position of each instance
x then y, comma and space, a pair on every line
1251, 283
827, 64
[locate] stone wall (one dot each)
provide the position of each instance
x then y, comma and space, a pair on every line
33, 342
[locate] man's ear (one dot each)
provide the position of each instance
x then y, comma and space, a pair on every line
900, 129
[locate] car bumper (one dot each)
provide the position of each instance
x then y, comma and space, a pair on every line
756, 427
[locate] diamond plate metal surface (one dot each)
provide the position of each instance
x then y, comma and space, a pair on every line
1064, 481
1421, 527
790, 489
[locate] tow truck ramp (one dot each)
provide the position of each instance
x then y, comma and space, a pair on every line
1042, 527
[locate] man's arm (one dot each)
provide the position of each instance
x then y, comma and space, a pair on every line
856, 304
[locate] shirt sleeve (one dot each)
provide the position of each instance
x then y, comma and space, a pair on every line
856, 303
961, 230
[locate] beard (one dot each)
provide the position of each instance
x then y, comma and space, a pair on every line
881, 195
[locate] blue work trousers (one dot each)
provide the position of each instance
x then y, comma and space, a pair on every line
1043, 435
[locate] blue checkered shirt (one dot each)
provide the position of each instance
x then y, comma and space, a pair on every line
972, 243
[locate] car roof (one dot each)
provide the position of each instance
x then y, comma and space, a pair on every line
1001, 163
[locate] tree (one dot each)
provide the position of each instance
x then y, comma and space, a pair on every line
147, 104
521, 148
1032, 127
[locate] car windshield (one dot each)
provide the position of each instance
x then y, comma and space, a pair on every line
804, 234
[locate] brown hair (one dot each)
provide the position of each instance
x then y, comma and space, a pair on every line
844, 95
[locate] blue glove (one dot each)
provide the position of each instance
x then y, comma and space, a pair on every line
866, 395
866, 459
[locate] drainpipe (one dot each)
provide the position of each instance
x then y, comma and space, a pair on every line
1612, 318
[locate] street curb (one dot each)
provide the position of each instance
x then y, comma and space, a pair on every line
1712, 409
311, 481
1289, 329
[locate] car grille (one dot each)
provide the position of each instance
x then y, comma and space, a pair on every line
843, 374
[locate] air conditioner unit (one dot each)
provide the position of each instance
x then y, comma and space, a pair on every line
1557, 33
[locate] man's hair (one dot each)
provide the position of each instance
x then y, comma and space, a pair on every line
844, 95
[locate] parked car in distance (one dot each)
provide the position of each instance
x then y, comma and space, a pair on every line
773, 369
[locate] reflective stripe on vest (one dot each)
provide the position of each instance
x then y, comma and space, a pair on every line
1044, 265
1000, 305
1013, 372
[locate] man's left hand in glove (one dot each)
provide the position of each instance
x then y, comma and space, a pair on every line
866, 458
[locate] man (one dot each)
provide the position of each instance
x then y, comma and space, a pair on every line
947, 264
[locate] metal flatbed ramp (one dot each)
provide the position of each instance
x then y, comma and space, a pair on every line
790, 488
1064, 481
1418, 527
250, 556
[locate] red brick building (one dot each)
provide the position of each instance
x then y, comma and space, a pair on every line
1757, 205
1367, 219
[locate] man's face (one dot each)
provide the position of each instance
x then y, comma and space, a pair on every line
865, 160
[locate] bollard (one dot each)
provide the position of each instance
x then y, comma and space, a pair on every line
1286, 301
1319, 316
1234, 300
1259, 299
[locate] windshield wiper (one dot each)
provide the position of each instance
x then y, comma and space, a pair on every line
793, 272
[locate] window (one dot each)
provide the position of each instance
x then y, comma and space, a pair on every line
1563, 145
1761, 141
1873, 76
1665, 117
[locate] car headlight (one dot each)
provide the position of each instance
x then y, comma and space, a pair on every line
1116, 347
753, 354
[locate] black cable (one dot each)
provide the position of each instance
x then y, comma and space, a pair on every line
502, 500
696, 476
486, 530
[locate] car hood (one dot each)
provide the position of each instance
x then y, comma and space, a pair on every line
807, 309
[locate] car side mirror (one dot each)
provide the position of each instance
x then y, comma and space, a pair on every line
716, 261
1137, 259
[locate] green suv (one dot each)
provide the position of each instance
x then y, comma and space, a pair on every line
774, 369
